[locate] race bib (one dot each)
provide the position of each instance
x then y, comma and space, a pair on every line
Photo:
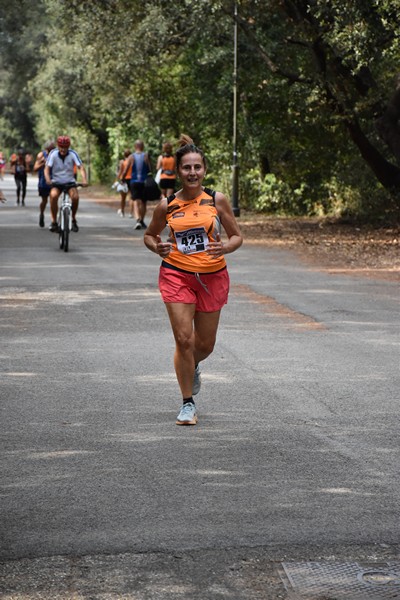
192, 240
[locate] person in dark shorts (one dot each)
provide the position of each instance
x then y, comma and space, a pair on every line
140, 164
43, 188
60, 172
166, 162
20, 168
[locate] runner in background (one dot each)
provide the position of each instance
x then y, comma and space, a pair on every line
43, 188
166, 162
20, 167
123, 182
140, 164
2, 165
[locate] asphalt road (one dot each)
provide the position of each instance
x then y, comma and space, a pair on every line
296, 453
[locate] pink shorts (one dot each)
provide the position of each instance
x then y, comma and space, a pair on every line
208, 291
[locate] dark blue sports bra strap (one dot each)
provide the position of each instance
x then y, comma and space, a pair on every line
210, 193
170, 198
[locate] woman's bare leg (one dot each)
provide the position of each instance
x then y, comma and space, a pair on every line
205, 334
195, 334
181, 318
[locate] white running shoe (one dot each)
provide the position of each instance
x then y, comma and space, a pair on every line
187, 414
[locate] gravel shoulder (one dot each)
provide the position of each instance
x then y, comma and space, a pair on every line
330, 245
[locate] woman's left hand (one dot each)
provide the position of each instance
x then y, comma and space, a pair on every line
217, 248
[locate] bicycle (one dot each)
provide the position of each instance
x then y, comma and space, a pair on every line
65, 217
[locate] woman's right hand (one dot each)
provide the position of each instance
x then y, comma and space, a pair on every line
162, 248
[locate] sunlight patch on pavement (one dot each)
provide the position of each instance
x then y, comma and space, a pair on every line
44, 266
166, 377
344, 491
118, 238
315, 377
162, 378
141, 437
361, 270
20, 374
70, 297
217, 472
371, 323
344, 292
59, 454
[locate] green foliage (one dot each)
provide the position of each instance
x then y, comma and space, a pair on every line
313, 79
367, 201
274, 196
20, 61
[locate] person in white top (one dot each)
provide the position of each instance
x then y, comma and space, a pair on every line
60, 173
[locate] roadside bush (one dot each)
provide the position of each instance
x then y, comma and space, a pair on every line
273, 195
361, 200
365, 202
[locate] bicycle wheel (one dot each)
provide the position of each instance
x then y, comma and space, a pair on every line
66, 219
61, 230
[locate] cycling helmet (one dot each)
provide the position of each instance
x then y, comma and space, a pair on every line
63, 141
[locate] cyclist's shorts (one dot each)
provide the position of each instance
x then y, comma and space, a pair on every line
208, 291
137, 190
64, 186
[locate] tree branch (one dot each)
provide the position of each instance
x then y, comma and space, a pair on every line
272, 66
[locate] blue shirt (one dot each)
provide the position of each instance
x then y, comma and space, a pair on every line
62, 167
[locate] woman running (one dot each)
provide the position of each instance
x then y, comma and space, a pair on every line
193, 280
166, 162
20, 168
123, 183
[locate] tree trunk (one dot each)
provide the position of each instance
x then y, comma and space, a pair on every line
386, 173
388, 126
264, 165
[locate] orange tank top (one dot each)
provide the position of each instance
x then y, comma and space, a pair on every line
168, 167
129, 171
192, 225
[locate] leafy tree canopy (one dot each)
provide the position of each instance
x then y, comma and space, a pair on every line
318, 83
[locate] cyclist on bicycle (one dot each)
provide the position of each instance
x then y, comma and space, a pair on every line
59, 174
